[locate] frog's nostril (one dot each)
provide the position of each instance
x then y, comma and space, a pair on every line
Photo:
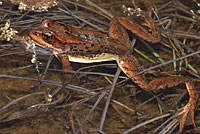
37, 34
47, 25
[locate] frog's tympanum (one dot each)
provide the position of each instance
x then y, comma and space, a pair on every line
84, 46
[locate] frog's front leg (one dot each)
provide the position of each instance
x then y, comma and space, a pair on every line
127, 65
66, 66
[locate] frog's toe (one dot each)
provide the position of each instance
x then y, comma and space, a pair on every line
186, 112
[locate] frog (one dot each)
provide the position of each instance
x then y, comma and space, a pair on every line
71, 44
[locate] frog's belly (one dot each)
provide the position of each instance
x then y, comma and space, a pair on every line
97, 58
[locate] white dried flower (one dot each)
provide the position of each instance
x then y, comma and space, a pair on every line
22, 6
130, 11
31, 45
198, 11
38, 7
1, 2
7, 32
49, 98
34, 57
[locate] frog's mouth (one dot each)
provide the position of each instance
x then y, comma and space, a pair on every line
35, 47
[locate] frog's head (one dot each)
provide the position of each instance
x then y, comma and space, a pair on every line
44, 36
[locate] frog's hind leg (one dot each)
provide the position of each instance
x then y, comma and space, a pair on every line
118, 32
172, 81
151, 35
129, 65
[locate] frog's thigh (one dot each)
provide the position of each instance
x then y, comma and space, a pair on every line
129, 65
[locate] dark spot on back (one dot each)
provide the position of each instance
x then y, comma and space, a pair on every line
87, 47
101, 37
71, 47
101, 46
89, 51
92, 45
81, 50
98, 51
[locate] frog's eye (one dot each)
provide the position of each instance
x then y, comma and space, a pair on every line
48, 36
48, 24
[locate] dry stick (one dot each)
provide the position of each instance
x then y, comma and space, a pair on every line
159, 65
78, 102
90, 112
47, 66
101, 9
30, 109
71, 118
14, 13
18, 99
133, 2
94, 66
70, 13
86, 7
8, 54
170, 127
183, 8
23, 15
80, 89
163, 6
20, 68
56, 83
84, 90
173, 122
109, 98
45, 71
187, 36
87, 22
89, 73
181, 17
145, 123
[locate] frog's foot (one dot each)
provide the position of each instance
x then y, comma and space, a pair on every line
185, 113
172, 81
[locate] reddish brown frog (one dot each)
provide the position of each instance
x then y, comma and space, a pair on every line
78, 45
